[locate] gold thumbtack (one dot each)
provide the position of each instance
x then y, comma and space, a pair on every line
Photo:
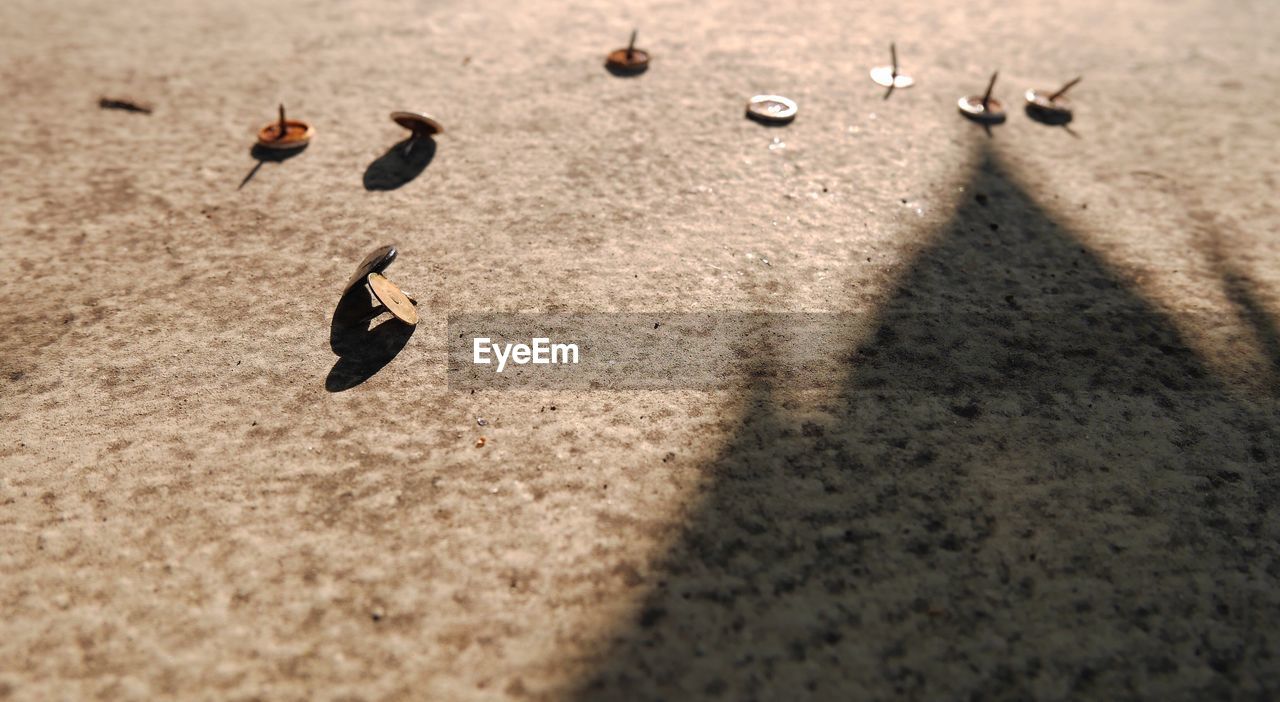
285, 133
1052, 108
985, 109
771, 109
422, 126
392, 299
889, 77
628, 61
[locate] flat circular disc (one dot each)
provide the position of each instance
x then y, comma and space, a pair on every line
773, 109
396, 302
883, 75
992, 113
297, 134
376, 262
636, 62
418, 122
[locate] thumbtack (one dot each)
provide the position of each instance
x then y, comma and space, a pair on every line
985, 109
285, 133
889, 77
628, 61
1052, 108
392, 299
771, 109
421, 124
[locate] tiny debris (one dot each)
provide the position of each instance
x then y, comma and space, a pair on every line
481, 421
124, 104
480, 442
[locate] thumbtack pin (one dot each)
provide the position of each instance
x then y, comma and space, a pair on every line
285, 133
421, 125
889, 77
1050, 109
628, 61
771, 109
392, 299
985, 109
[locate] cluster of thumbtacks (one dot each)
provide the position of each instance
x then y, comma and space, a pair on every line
287, 134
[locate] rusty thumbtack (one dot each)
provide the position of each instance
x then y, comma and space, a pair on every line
285, 133
986, 109
390, 297
1050, 109
889, 76
628, 61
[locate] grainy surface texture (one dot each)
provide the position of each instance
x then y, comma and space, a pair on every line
1048, 468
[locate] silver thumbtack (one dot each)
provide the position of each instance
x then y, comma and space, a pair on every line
628, 61
422, 126
1050, 109
986, 109
888, 76
771, 109
285, 133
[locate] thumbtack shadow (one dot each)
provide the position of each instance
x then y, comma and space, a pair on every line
262, 155
362, 350
395, 168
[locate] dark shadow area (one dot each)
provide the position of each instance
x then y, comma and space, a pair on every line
124, 105
362, 351
396, 168
264, 155
1027, 486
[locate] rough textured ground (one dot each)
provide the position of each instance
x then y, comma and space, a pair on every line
1047, 469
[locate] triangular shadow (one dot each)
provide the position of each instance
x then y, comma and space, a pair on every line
1028, 486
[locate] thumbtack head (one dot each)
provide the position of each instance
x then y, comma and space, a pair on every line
420, 123
285, 133
376, 262
983, 109
396, 302
771, 109
628, 60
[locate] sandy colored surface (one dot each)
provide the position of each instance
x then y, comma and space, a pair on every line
1049, 470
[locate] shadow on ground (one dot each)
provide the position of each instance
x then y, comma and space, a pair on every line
1027, 486
396, 168
362, 350
262, 155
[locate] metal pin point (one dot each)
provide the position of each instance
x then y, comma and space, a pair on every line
985, 109
628, 61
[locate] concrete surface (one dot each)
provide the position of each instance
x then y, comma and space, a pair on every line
1048, 469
